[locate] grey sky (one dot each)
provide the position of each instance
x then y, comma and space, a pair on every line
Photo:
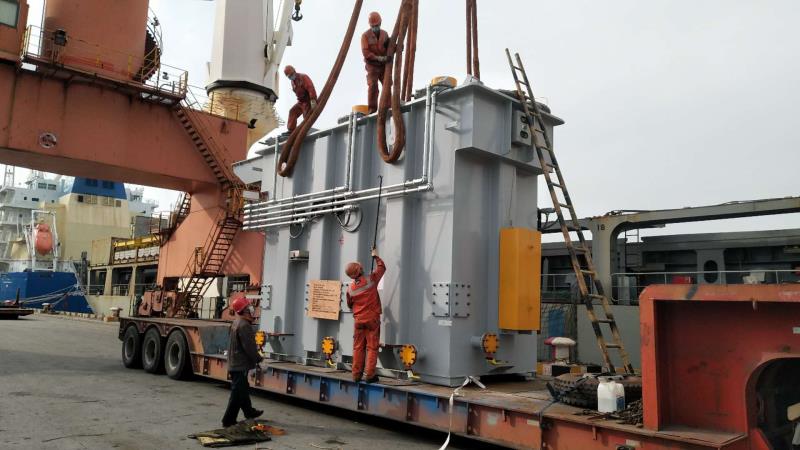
667, 103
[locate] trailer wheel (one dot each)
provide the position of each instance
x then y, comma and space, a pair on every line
176, 356
576, 390
152, 351
132, 348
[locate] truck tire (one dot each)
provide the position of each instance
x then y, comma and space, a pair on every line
577, 391
152, 352
132, 348
177, 360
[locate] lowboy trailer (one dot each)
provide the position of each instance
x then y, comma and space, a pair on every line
720, 367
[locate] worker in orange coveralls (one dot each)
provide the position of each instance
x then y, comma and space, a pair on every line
364, 301
303, 88
374, 46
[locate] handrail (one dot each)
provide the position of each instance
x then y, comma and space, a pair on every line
635, 282
38, 46
198, 121
702, 272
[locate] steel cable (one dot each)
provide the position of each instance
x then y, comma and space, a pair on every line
288, 159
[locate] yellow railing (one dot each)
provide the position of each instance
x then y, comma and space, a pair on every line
215, 104
40, 46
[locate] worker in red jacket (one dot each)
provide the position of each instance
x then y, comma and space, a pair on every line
374, 46
303, 88
364, 301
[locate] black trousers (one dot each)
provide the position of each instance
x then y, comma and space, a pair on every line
239, 399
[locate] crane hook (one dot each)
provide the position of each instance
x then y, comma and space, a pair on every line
297, 16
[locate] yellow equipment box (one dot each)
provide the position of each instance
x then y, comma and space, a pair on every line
520, 279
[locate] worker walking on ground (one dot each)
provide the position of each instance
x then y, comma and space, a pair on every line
364, 301
303, 88
242, 357
374, 46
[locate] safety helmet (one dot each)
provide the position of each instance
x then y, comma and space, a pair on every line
288, 70
353, 270
240, 303
374, 19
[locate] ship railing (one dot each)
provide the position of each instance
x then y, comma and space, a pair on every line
51, 47
121, 289
95, 289
215, 104
628, 285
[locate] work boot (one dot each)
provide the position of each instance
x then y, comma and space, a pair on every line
372, 379
254, 413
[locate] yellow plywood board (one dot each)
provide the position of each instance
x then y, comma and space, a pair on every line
520, 279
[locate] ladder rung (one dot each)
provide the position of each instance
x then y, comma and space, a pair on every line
588, 272
605, 321
613, 346
564, 205
597, 296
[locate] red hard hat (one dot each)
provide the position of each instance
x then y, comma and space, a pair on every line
288, 70
240, 303
374, 19
353, 270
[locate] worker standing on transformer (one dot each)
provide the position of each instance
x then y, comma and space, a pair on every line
242, 357
374, 46
303, 88
365, 302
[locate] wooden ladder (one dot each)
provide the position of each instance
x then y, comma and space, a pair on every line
590, 287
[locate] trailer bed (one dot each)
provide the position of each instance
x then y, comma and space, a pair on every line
515, 414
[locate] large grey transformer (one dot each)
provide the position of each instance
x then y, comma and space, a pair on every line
467, 172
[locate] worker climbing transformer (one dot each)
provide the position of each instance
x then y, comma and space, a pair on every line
374, 47
306, 94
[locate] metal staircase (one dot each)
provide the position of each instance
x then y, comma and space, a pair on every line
590, 287
204, 144
206, 262
152, 49
174, 219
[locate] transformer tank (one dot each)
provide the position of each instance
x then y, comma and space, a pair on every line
462, 199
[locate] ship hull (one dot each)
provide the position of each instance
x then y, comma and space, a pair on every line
59, 289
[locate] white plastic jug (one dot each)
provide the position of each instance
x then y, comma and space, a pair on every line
610, 395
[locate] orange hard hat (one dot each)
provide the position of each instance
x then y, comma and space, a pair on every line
288, 70
353, 270
374, 19
240, 303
